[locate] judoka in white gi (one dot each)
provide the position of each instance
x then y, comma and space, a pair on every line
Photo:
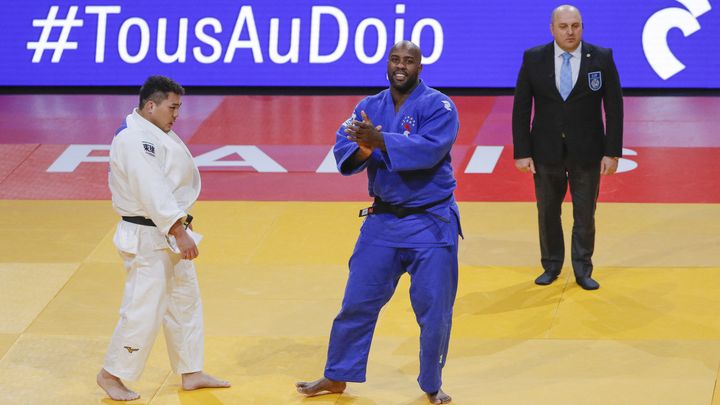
402, 138
154, 183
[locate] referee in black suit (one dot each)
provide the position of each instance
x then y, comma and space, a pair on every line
569, 82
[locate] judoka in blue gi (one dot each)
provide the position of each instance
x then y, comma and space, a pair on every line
402, 137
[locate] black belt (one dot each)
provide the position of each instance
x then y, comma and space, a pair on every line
381, 207
139, 221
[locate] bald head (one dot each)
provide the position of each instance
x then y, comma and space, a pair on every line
566, 27
564, 9
408, 46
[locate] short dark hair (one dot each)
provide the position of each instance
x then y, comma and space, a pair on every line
157, 88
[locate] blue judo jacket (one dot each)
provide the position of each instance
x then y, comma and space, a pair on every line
414, 170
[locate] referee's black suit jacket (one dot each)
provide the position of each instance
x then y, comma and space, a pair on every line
576, 123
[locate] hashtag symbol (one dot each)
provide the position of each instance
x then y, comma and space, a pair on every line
44, 44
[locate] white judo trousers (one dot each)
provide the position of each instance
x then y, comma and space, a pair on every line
160, 288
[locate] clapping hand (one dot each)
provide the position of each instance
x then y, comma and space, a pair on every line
365, 134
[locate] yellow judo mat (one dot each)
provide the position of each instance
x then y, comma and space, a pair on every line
272, 276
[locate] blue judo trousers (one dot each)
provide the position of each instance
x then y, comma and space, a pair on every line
413, 171
374, 274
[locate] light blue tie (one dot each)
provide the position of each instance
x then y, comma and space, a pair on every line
566, 76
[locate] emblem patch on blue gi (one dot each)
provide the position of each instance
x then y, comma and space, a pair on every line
447, 105
408, 124
349, 120
595, 80
149, 148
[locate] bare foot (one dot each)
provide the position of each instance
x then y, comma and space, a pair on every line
439, 398
198, 379
114, 387
321, 386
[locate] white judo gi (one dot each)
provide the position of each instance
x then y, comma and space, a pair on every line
153, 175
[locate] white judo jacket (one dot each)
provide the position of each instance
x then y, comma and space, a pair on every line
153, 175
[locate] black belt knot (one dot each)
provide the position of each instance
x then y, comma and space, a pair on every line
139, 220
381, 207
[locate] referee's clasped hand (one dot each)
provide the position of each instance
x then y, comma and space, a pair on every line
608, 165
525, 165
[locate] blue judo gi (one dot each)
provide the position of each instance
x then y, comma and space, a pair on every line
414, 171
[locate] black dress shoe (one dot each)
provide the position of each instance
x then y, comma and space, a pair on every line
587, 283
546, 278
